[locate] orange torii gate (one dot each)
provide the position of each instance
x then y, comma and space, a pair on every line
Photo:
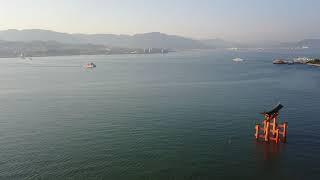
271, 129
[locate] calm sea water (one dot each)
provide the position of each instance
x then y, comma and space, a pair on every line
186, 115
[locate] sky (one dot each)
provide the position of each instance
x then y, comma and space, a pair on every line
237, 20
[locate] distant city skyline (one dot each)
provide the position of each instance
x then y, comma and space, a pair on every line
247, 20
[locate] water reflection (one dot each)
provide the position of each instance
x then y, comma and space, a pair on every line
269, 159
270, 151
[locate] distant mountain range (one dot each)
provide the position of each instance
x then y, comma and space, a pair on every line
37, 42
147, 40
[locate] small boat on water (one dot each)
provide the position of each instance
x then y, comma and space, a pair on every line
280, 61
22, 56
90, 65
237, 60
290, 62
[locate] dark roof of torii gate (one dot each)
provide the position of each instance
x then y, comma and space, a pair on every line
276, 109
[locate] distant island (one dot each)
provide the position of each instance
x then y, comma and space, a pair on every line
314, 62
299, 60
38, 42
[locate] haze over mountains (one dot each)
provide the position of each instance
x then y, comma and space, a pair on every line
39, 42
153, 39
146, 40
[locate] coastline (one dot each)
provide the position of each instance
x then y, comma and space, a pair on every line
98, 54
299, 60
317, 65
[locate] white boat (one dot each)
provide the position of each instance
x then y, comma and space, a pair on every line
90, 65
22, 56
280, 61
237, 60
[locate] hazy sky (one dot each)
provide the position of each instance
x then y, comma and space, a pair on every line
229, 19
